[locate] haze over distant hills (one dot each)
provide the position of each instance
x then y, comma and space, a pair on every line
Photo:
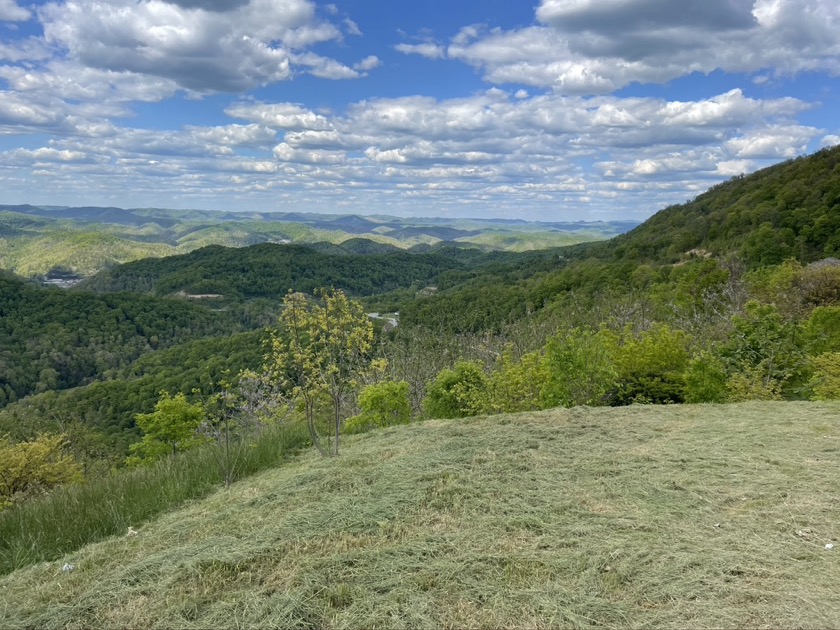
37, 240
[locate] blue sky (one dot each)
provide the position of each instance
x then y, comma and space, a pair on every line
557, 110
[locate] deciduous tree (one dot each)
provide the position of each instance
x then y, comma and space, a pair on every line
170, 429
322, 352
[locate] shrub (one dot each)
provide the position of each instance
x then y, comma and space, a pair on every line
706, 380
651, 366
826, 379
764, 355
518, 386
459, 392
34, 467
170, 429
822, 330
383, 405
580, 369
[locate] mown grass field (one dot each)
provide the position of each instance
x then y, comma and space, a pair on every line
678, 516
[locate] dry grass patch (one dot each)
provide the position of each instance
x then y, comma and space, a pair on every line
683, 516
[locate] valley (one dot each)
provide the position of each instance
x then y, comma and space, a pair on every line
624, 405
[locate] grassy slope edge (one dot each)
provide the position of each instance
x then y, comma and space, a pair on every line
680, 516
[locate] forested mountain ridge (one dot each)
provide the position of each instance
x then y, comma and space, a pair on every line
788, 210
270, 270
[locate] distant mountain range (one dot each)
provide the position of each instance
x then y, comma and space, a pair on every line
39, 240
451, 229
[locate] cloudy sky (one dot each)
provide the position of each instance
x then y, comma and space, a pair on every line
560, 110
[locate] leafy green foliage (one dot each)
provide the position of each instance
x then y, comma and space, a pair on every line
650, 366
518, 385
322, 351
765, 357
107, 408
459, 392
826, 379
170, 429
34, 467
383, 404
581, 370
706, 379
52, 339
822, 330
796, 289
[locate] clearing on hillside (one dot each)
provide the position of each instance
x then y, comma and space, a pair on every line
674, 516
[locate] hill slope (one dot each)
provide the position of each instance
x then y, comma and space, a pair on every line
689, 516
269, 270
790, 209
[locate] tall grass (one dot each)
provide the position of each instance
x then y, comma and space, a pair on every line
70, 517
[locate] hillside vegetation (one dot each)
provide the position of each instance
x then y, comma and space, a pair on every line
638, 318
670, 516
269, 270
786, 210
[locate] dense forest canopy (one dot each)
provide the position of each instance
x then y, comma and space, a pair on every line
788, 210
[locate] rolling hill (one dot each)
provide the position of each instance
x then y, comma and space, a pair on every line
687, 516
270, 270
37, 240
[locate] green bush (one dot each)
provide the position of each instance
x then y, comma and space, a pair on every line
580, 368
34, 467
651, 366
822, 330
826, 379
518, 385
170, 429
459, 392
706, 380
383, 405
764, 356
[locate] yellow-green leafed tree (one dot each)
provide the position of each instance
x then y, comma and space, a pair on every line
34, 467
171, 428
323, 352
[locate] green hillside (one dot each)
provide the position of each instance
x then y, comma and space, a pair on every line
787, 211
32, 246
790, 209
677, 516
269, 270
53, 339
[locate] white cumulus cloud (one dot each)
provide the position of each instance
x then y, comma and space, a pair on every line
427, 50
221, 46
596, 47
11, 11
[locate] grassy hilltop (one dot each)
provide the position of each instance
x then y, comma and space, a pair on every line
669, 516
